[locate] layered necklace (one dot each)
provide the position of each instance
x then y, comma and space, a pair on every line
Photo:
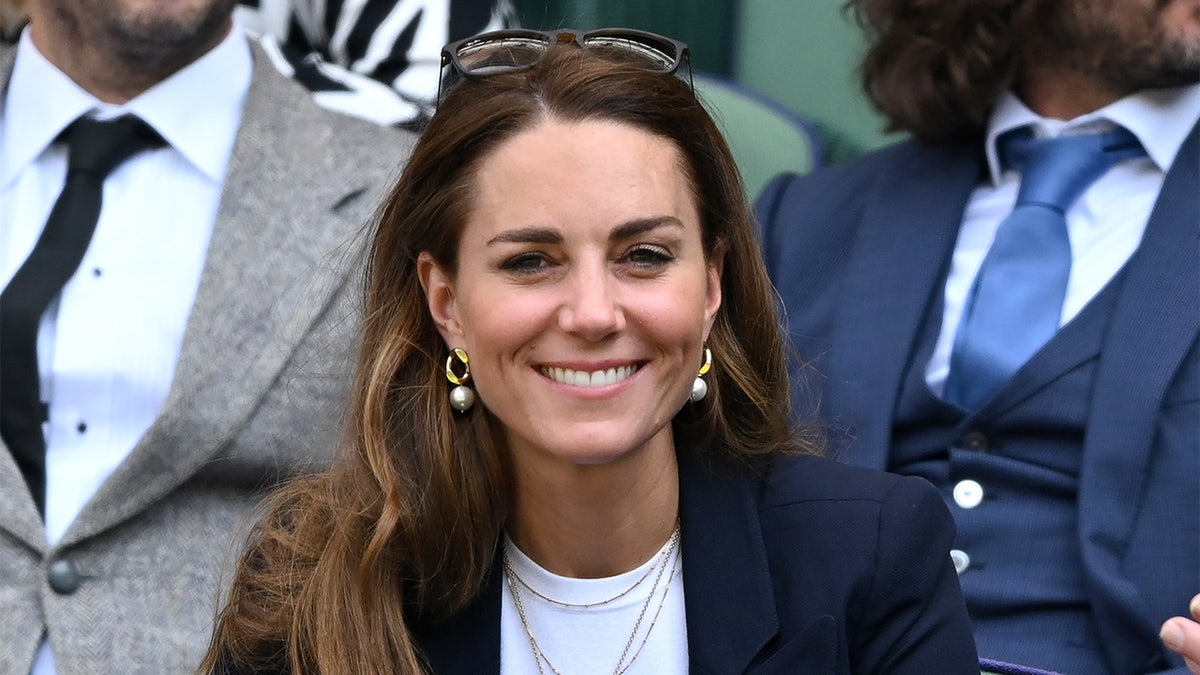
668, 559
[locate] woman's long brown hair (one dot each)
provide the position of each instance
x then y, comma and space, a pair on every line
403, 528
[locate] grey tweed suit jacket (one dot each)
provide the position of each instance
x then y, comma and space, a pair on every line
258, 394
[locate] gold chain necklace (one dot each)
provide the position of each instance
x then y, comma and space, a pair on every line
577, 605
670, 559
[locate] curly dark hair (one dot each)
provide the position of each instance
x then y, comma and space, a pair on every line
935, 68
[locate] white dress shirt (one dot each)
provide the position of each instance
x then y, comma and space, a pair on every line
1105, 225
107, 347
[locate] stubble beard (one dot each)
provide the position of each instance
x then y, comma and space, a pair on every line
151, 46
1171, 62
1130, 53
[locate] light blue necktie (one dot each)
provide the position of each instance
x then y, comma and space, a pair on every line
1015, 304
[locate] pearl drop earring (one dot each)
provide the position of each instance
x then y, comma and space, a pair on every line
699, 386
461, 396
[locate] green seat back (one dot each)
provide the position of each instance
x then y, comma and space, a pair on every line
766, 138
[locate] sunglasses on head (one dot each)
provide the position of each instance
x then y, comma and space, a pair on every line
510, 51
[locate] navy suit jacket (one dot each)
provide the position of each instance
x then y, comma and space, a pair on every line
859, 254
807, 567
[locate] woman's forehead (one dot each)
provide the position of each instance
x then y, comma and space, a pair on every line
579, 172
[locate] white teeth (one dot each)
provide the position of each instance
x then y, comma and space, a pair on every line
581, 378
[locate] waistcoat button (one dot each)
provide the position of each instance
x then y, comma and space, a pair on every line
968, 494
975, 441
961, 560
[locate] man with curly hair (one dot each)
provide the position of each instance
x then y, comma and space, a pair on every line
1070, 456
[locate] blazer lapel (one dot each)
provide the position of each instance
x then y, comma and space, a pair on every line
1157, 312
725, 571
468, 643
903, 246
278, 220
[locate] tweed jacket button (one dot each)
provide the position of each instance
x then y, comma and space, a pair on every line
64, 576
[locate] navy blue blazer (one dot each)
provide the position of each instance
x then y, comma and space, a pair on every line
811, 567
857, 251
804, 567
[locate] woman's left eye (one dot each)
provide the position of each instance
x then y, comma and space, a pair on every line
647, 255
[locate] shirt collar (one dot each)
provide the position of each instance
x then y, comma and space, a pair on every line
48, 102
197, 110
1160, 118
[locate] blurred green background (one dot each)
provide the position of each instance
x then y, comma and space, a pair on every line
802, 53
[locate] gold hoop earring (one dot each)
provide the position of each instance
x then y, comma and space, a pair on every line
461, 396
700, 387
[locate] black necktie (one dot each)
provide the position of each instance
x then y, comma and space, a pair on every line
94, 149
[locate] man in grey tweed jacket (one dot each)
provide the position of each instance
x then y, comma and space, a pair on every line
132, 583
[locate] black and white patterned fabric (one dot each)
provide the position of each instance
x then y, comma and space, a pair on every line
374, 59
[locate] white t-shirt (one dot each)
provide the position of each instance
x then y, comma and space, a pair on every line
581, 641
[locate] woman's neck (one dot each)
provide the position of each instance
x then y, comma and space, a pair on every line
595, 521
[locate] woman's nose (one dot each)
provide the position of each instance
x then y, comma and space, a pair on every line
593, 309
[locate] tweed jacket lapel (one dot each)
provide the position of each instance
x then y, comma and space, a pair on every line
18, 515
1157, 312
279, 218
902, 248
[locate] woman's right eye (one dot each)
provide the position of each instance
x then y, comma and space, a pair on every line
525, 263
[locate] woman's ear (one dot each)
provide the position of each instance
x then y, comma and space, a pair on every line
439, 295
716, 270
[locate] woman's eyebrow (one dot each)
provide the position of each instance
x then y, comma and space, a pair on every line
643, 225
546, 235
528, 235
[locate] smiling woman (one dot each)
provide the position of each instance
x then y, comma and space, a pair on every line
582, 256
569, 445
